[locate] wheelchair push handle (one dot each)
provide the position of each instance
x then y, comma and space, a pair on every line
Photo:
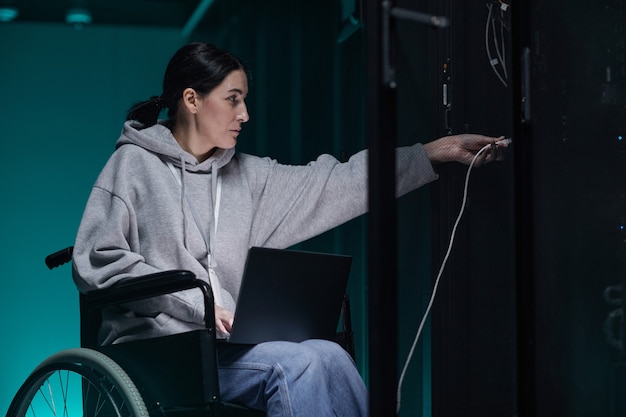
59, 258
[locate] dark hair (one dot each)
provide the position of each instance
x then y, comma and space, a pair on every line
197, 65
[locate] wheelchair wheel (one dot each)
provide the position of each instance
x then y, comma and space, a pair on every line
78, 382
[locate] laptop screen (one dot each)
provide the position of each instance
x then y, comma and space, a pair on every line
290, 295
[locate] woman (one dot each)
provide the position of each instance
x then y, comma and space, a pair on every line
176, 195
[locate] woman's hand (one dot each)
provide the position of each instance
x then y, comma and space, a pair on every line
462, 148
223, 320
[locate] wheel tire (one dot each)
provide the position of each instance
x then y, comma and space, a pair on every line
81, 382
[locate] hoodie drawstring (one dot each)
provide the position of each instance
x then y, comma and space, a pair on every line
216, 193
181, 180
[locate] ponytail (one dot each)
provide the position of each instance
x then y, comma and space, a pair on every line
147, 112
197, 65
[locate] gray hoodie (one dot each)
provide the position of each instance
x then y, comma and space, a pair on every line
143, 217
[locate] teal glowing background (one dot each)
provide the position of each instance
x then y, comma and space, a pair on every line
64, 96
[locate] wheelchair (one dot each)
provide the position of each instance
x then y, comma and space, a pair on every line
169, 376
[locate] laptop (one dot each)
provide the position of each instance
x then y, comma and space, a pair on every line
289, 295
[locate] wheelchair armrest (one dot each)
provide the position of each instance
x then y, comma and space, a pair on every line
141, 287
135, 288
148, 286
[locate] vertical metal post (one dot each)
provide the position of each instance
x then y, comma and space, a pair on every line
524, 217
382, 239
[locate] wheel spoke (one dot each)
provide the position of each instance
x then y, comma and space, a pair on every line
65, 392
44, 398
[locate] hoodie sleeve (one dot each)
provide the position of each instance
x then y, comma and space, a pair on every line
107, 247
102, 253
300, 202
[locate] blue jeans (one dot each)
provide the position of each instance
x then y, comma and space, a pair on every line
311, 378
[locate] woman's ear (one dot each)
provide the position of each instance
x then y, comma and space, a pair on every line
190, 100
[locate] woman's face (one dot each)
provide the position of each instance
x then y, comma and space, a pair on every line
222, 112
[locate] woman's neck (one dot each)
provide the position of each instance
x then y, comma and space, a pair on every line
193, 145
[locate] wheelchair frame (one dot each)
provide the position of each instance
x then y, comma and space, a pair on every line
132, 379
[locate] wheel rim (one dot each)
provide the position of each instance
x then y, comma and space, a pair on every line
75, 391
90, 387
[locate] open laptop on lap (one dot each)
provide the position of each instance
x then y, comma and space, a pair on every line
289, 295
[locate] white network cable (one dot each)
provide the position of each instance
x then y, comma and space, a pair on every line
490, 27
443, 264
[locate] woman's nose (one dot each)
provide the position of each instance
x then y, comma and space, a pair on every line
243, 116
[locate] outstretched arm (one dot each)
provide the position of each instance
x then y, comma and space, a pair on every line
462, 148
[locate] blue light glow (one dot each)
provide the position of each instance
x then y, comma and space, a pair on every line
8, 14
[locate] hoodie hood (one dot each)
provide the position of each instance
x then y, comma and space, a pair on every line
159, 140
